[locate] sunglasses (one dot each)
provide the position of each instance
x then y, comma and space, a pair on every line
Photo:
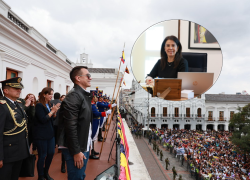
88, 75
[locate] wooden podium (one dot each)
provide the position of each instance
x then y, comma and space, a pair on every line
169, 89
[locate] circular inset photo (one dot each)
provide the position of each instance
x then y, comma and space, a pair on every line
176, 60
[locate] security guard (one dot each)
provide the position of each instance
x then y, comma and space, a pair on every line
13, 130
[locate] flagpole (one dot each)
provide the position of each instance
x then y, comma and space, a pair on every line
118, 74
109, 119
109, 116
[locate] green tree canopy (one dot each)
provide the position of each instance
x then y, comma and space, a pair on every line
241, 124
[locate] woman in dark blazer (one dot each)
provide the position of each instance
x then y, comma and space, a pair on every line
44, 132
171, 61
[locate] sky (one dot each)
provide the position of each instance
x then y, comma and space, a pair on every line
100, 29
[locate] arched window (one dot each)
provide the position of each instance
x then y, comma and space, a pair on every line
199, 112
152, 112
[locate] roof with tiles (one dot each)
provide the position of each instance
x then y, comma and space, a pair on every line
101, 70
227, 97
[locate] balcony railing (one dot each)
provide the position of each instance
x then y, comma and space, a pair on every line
222, 119
210, 118
199, 115
165, 115
176, 115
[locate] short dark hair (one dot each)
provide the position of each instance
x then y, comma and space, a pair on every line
57, 95
5, 87
62, 96
76, 71
164, 56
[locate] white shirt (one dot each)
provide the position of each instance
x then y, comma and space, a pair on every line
10, 100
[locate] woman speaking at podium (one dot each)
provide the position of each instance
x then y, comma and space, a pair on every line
171, 61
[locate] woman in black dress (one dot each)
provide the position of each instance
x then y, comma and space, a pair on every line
171, 61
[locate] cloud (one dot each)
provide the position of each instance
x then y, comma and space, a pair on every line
102, 27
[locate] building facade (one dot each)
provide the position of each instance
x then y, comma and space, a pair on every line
24, 52
211, 111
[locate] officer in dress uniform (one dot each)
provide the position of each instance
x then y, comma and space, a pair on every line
13, 130
101, 107
105, 109
96, 123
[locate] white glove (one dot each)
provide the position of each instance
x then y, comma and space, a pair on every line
113, 105
108, 112
149, 81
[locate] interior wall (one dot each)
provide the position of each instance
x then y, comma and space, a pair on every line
214, 57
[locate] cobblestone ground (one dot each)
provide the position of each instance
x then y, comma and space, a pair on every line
155, 167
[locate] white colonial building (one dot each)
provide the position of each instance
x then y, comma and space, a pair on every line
211, 111
26, 53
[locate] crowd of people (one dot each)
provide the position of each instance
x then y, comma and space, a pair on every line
209, 154
71, 122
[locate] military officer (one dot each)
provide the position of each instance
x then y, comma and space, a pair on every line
95, 124
180, 177
13, 130
157, 148
167, 163
101, 106
161, 154
174, 173
154, 144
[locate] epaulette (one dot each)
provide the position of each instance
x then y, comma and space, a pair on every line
18, 101
2, 101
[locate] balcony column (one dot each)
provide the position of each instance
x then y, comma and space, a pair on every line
216, 127
226, 126
204, 126
181, 125
193, 126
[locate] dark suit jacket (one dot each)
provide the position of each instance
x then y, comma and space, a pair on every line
54, 102
12, 147
43, 127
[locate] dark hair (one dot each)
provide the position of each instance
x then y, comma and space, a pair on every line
46, 90
5, 87
164, 56
57, 95
76, 71
62, 96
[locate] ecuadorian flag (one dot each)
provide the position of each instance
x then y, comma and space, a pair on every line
123, 57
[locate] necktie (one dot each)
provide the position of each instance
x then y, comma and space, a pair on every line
17, 105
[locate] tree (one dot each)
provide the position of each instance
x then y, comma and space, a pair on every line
241, 135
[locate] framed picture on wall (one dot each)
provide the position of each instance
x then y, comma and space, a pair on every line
200, 38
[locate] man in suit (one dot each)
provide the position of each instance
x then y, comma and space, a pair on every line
75, 124
13, 130
56, 100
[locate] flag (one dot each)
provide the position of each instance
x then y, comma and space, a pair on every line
124, 83
126, 70
123, 57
